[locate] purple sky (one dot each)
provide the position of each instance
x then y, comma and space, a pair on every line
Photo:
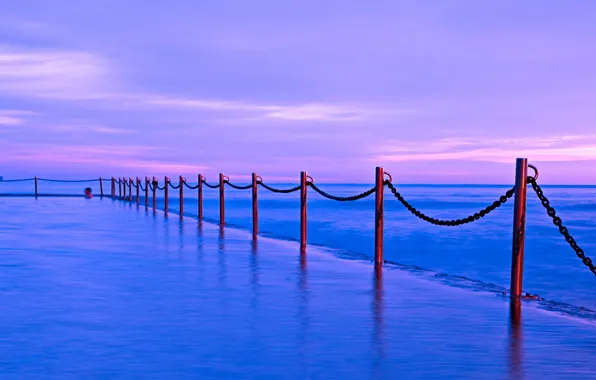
434, 91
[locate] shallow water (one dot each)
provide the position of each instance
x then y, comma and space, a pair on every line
101, 288
480, 252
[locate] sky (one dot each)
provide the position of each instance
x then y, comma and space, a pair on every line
433, 91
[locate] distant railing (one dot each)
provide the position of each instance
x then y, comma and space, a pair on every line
519, 192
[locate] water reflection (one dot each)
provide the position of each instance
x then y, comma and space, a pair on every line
516, 370
303, 314
221, 257
377, 309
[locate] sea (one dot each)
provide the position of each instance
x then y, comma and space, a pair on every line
476, 256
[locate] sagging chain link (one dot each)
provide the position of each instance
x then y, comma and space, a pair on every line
211, 186
190, 187
175, 187
238, 187
559, 223
342, 199
283, 191
454, 222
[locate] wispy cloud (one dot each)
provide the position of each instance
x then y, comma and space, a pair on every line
14, 117
548, 149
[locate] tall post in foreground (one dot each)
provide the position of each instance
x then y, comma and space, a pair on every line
154, 193
181, 197
113, 187
130, 189
166, 186
138, 190
379, 174
100, 187
222, 217
36, 186
120, 187
200, 196
303, 188
255, 206
146, 192
519, 226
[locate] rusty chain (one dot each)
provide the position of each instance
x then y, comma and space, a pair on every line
454, 222
283, 191
211, 186
559, 223
342, 199
238, 187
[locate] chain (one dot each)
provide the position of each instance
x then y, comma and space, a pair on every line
238, 187
68, 180
211, 186
284, 191
190, 187
17, 180
559, 223
455, 222
343, 199
141, 186
174, 187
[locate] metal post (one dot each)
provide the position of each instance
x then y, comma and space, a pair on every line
146, 192
155, 183
120, 187
303, 189
221, 200
255, 206
124, 188
519, 226
379, 173
113, 187
100, 187
138, 190
130, 189
36, 186
165, 186
181, 197
200, 196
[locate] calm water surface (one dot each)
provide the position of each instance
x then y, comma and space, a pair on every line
103, 289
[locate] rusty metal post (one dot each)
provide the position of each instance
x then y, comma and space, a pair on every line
146, 192
379, 174
303, 188
124, 188
130, 189
200, 196
36, 186
222, 218
138, 190
181, 197
155, 183
120, 187
519, 226
113, 187
166, 186
100, 187
255, 206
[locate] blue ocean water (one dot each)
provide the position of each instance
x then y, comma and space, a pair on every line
474, 255
103, 288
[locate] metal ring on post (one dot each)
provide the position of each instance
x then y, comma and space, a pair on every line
259, 179
228, 178
311, 179
390, 178
535, 171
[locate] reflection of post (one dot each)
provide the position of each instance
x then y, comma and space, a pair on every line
378, 339
222, 257
515, 340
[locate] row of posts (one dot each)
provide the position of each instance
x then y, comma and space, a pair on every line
519, 215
